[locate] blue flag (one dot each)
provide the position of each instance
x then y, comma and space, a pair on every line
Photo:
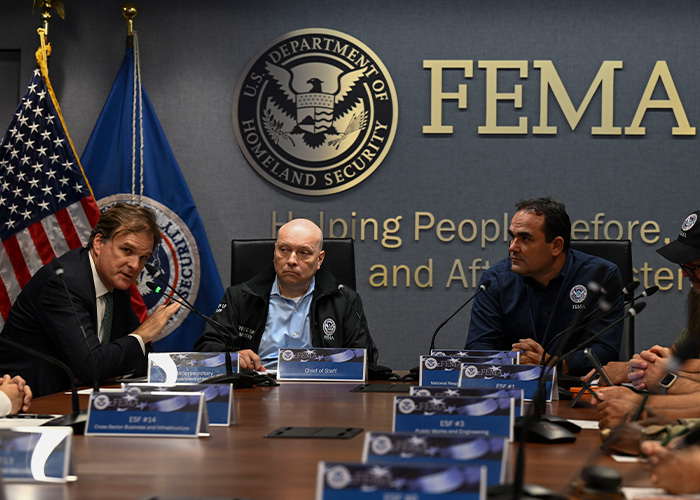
128, 159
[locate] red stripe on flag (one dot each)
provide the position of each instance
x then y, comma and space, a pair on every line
66, 224
5, 303
19, 266
91, 210
41, 242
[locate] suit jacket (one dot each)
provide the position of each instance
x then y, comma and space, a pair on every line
43, 319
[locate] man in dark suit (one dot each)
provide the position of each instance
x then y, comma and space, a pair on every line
98, 278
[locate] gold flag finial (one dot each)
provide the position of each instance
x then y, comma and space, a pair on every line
46, 6
129, 11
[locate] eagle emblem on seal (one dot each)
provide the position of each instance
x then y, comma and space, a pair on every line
316, 97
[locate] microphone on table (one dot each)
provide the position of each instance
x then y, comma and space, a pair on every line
517, 489
414, 373
58, 269
239, 380
77, 419
648, 292
157, 274
374, 371
629, 288
482, 287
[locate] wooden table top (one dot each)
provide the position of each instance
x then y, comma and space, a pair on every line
238, 461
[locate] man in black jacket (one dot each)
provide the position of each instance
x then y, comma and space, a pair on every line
293, 303
42, 317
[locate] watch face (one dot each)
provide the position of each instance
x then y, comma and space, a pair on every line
668, 379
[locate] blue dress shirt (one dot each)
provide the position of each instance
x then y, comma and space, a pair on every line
288, 325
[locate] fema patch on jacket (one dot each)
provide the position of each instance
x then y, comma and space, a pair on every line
328, 329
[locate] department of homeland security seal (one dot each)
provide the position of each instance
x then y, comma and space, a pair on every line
177, 257
315, 112
689, 222
578, 294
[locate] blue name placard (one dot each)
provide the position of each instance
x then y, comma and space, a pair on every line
454, 416
477, 353
41, 454
347, 365
218, 398
156, 413
524, 377
444, 370
404, 481
472, 392
383, 447
187, 367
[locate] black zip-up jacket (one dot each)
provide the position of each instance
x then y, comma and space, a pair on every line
243, 314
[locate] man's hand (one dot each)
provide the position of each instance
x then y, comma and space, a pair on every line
531, 353
615, 405
248, 360
18, 391
156, 321
648, 368
673, 470
616, 370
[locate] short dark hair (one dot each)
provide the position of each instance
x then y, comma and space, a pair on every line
556, 220
126, 218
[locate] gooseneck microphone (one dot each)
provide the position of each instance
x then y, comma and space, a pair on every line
157, 273
215, 324
629, 288
58, 269
517, 490
648, 292
374, 371
482, 288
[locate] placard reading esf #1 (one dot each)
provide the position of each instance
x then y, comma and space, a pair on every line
348, 365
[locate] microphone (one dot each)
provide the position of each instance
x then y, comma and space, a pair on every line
517, 489
374, 371
156, 273
239, 380
483, 287
58, 269
627, 289
217, 326
687, 349
77, 419
604, 304
648, 292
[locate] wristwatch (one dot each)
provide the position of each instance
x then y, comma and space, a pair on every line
667, 382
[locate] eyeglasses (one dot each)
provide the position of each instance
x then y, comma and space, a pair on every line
689, 270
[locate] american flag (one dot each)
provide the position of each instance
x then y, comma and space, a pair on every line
46, 207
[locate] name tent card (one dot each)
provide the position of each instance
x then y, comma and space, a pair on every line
139, 413
472, 392
400, 481
348, 365
37, 454
477, 353
187, 367
218, 398
454, 416
493, 452
444, 370
523, 377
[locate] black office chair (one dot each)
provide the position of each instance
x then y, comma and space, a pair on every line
619, 252
249, 257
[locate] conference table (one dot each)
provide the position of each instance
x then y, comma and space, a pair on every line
239, 462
